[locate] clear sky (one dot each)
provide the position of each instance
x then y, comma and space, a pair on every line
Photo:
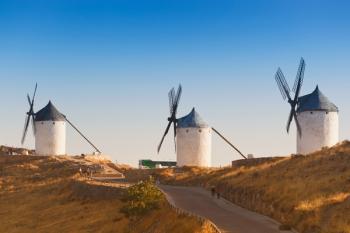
108, 65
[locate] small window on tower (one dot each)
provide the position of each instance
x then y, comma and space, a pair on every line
326, 112
53, 122
311, 112
200, 130
186, 130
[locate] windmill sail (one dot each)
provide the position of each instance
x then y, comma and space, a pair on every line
26, 123
174, 99
285, 92
29, 115
300, 76
165, 133
282, 84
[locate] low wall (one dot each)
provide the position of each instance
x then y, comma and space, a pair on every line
254, 161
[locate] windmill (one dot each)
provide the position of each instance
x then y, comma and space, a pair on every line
286, 93
315, 116
49, 129
192, 135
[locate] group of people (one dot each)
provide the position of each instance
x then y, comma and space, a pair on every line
85, 172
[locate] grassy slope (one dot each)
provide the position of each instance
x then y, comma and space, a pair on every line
45, 194
310, 193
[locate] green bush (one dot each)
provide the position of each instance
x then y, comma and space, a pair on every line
142, 197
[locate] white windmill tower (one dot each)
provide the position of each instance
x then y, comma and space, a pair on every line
193, 141
49, 128
315, 116
192, 135
50, 131
318, 119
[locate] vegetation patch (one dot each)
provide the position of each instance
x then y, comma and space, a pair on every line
142, 197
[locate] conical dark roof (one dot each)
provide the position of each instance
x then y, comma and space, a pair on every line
316, 101
49, 113
192, 120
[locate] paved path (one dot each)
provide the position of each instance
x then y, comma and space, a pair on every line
226, 216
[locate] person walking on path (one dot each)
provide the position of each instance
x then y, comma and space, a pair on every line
218, 194
213, 191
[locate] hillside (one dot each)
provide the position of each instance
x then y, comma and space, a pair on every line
310, 193
47, 194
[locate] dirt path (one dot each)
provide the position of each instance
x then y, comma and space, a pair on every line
227, 216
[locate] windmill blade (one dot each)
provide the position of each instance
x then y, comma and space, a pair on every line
297, 123
81, 134
26, 123
36, 86
171, 100
170, 104
29, 100
178, 94
165, 133
228, 142
175, 135
282, 84
300, 75
299, 79
290, 118
33, 124
284, 96
177, 98
283, 80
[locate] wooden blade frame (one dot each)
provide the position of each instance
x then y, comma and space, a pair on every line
228, 142
81, 134
165, 133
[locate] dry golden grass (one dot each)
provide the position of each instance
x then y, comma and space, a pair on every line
310, 193
46, 194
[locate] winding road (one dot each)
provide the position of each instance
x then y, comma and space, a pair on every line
226, 216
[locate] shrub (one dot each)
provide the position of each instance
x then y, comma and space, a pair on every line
141, 198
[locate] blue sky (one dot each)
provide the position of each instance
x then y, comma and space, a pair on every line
108, 66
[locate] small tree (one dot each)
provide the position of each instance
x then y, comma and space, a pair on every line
142, 197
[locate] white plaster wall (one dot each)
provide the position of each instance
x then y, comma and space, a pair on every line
193, 147
50, 138
319, 129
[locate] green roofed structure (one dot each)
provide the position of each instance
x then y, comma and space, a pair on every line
150, 164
